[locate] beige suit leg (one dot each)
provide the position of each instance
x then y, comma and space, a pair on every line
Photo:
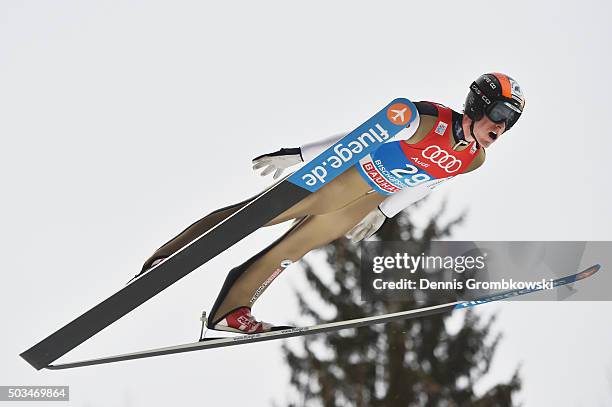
312, 232
338, 193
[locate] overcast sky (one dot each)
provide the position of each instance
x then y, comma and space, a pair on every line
124, 121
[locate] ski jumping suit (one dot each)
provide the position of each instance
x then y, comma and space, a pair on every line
399, 173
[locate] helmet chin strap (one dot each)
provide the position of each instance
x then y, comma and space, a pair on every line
472, 130
472, 133
459, 131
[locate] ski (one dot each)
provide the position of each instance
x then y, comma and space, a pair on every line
362, 141
328, 327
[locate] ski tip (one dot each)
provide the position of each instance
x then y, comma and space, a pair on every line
588, 272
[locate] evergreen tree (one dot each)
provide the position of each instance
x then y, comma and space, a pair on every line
414, 362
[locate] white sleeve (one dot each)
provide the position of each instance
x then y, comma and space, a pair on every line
403, 199
407, 196
311, 150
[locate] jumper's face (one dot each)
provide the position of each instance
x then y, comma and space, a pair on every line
485, 130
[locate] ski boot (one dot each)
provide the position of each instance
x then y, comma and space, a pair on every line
241, 320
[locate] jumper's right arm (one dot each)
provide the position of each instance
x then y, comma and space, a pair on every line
284, 158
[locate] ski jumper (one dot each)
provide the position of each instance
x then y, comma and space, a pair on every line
399, 173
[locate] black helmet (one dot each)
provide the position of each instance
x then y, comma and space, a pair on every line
496, 95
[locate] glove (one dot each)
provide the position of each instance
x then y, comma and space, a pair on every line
368, 226
277, 161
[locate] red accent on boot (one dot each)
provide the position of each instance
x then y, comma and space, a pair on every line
241, 320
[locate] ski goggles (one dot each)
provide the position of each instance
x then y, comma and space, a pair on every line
503, 112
